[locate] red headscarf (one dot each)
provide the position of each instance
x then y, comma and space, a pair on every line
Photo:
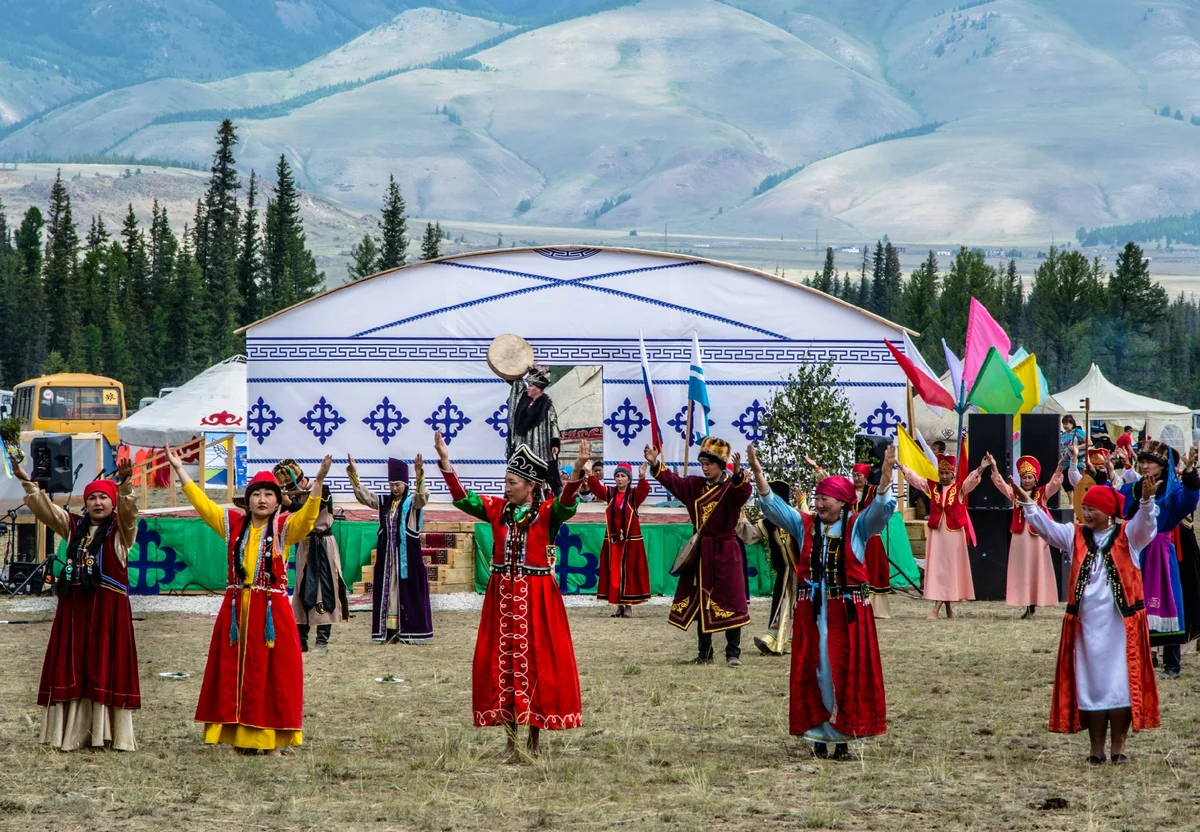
1106, 499
839, 488
103, 486
862, 468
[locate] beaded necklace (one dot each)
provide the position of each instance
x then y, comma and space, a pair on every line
1112, 576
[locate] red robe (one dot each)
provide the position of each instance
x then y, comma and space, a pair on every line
624, 571
715, 586
1143, 690
879, 570
524, 668
860, 707
255, 673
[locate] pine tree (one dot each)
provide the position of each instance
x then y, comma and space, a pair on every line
393, 226
363, 257
136, 307
218, 231
291, 270
98, 236
1014, 304
29, 333
431, 245
878, 300
826, 279
5, 235
250, 260
862, 297
892, 280
60, 276
969, 276
1066, 298
186, 355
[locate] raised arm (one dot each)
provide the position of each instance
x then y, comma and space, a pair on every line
642, 490
299, 524
878, 514
599, 490
420, 490
1058, 535
127, 507
917, 482
211, 513
971, 481
1181, 501
666, 477
998, 479
464, 499
361, 494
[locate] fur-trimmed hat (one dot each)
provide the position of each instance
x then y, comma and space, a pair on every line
538, 377
715, 450
1156, 451
782, 490
288, 473
527, 465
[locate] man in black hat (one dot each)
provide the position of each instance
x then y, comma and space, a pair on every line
532, 421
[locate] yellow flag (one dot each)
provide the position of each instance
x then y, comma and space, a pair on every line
1027, 371
910, 455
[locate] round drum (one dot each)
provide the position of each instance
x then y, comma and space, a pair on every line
510, 357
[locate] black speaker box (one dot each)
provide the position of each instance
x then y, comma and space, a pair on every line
1039, 439
989, 555
52, 463
989, 433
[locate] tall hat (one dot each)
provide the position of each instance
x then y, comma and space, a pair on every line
714, 450
527, 465
1029, 465
783, 490
397, 470
288, 473
946, 462
538, 376
263, 479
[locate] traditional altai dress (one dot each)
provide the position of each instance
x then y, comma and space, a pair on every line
714, 586
837, 692
1104, 652
781, 553
947, 561
89, 686
1030, 568
534, 423
320, 595
253, 690
624, 572
524, 668
400, 609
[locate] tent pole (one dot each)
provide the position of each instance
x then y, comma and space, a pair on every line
229, 446
687, 442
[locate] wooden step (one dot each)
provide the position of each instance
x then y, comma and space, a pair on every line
457, 587
368, 573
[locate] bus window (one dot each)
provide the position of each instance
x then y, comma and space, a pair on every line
80, 403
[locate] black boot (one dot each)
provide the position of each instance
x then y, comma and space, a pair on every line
841, 751
393, 636
323, 637
302, 629
820, 750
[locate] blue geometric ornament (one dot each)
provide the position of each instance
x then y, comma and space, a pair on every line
751, 422
679, 422
449, 419
499, 420
626, 421
882, 421
261, 420
322, 420
386, 420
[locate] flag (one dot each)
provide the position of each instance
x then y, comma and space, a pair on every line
924, 382
8, 471
655, 433
1027, 372
698, 394
912, 457
983, 333
997, 389
956, 373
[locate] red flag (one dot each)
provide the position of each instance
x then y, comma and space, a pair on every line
926, 386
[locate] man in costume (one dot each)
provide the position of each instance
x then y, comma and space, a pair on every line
712, 584
1104, 676
836, 684
89, 686
947, 562
1176, 498
252, 697
624, 572
533, 422
320, 595
775, 640
1031, 582
524, 670
400, 610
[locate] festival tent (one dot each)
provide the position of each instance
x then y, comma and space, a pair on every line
1171, 423
214, 401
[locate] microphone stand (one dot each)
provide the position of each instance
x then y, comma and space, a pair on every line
43, 567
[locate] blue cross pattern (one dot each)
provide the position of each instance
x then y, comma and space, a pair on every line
882, 421
386, 420
679, 422
322, 420
499, 420
449, 419
750, 423
261, 420
626, 421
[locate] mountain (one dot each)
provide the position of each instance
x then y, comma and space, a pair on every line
1003, 120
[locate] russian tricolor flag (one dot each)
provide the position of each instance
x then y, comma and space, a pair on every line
655, 433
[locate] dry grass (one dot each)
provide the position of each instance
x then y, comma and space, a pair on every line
663, 747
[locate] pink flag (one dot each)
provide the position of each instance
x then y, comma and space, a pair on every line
983, 333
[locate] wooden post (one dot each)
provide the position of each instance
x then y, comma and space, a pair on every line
200, 480
687, 440
230, 468
912, 426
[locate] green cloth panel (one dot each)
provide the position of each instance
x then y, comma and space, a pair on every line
579, 557
899, 550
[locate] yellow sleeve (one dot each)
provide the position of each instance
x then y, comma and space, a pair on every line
211, 513
298, 525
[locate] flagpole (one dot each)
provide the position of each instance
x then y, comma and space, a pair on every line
687, 443
912, 424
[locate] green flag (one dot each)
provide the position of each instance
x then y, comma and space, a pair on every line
997, 388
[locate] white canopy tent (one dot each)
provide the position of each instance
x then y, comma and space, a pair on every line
214, 401
1171, 423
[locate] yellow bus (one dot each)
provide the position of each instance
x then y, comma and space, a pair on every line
71, 403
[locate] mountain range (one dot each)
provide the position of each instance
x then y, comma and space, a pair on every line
929, 120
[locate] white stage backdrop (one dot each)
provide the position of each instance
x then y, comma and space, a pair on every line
372, 368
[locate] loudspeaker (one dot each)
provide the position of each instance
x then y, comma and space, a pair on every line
989, 555
52, 463
1039, 439
871, 448
989, 433
19, 571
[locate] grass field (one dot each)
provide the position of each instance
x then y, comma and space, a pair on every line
663, 746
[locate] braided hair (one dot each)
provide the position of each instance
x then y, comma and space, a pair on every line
239, 549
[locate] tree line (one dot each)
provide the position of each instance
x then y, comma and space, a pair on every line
150, 308
1072, 313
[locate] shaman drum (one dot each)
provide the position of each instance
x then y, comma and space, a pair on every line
510, 357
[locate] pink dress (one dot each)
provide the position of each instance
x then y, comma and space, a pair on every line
947, 561
1030, 569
